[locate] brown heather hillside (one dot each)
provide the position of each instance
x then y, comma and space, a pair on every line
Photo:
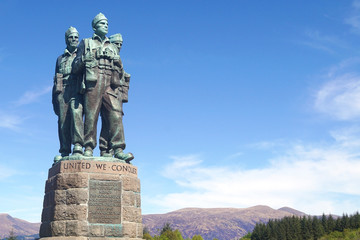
292, 211
210, 223
20, 227
220, 223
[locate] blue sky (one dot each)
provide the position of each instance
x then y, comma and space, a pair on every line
231, 104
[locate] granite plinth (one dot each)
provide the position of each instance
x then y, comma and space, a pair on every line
87, 199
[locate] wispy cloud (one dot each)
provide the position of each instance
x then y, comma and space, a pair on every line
267, 145
10, 121
347, 137
345, 66
339, 96
312, 179
319, 41
6, 172
32, 96
354, 19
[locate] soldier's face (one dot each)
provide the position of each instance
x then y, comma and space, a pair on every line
101, 28
73, 39
118, 45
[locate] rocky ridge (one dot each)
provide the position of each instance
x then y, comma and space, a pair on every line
220, 223
18, 226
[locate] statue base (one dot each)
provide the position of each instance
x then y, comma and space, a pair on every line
89, 200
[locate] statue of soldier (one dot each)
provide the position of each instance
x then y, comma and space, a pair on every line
99, 62
66, 99
122, 93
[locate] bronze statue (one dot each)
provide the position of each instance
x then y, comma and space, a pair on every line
122, 93
99, 63
67, 102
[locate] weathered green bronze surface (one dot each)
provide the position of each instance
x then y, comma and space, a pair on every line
67, 101
100, 87
122, 95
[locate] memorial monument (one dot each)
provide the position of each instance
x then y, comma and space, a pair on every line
91, 197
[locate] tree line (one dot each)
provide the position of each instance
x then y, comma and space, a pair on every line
167, 233
306, 227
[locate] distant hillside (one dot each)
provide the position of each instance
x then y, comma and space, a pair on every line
292, 211
220, 223
18, 226
210, 223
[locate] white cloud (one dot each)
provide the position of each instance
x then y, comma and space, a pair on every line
345, 66
354, 19
311, 179
32, 96
10, 121
347, 137
339, 96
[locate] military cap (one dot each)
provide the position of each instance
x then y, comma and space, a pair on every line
116, 38
70, 31
97, 19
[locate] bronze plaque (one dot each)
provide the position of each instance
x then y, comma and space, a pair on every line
104, 202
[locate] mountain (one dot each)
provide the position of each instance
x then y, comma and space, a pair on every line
210, 223
292, 211
220, 223
18, 226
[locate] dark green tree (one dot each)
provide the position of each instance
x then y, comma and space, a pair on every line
355, 221
258, 232
324, 221
318, 229
306, 228
166, 227
345, 222
294, 228
338, 225
331, 224
12, 236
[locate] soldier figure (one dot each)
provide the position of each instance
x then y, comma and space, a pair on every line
122, 93
117, 40
67, 101
99, 63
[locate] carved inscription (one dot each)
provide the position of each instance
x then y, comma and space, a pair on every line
92, 166
104, 202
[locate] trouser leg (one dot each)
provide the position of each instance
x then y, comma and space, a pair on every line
92, 104
112, 114
117, 139
64, 122
77, 120
104, 134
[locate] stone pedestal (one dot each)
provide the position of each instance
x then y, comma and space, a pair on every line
89, 200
